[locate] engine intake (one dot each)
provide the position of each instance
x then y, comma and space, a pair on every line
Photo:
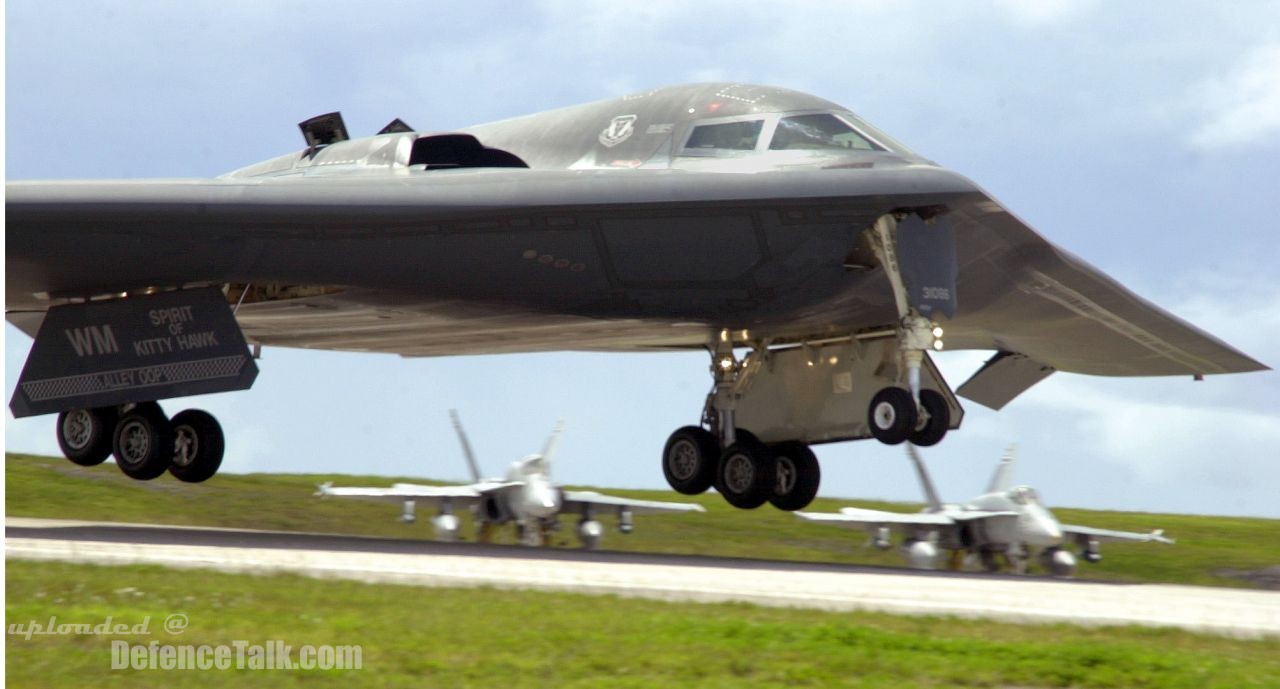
439, 151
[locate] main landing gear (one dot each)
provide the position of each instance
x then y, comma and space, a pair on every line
145, 442
877, 382
746, 471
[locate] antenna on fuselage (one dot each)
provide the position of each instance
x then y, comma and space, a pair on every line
466, 446
930, 495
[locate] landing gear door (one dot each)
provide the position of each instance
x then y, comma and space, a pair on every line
135, 349
822, 394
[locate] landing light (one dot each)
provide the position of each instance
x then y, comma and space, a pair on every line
937, 331
726, 363
937, 345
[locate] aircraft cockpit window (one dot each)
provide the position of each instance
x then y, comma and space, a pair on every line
819, 132
732, 136
1023, 495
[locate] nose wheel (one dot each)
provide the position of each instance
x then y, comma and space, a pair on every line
892, 416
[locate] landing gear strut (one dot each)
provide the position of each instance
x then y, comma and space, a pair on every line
145, 442
897, 414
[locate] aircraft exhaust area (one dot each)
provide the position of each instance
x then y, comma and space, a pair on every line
692, 579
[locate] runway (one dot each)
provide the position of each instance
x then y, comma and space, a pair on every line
693, 579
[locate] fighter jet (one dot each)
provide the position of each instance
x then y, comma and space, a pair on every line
817, 261
525, 497
1006, 521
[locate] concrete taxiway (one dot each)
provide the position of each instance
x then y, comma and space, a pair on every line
1234, 612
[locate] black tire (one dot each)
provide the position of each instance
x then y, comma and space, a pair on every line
798, 476
689, 460
84, 435
746, 473
742, 435
198, 445
939, 421
142, 442
892, 415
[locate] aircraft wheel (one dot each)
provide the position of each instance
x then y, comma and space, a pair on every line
84, 435
198, 445
892, 415
747, 473
143, 442
798, 476
937, 423
689, 460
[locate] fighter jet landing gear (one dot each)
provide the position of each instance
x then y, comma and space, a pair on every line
144, 441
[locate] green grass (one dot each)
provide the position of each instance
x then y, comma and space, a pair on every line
423, 637
56, 488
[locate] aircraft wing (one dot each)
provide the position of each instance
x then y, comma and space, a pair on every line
578, 500
1086, 533
859, 518
399, 492
855, 517
440, 263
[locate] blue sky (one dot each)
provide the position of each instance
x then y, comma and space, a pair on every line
1143, 137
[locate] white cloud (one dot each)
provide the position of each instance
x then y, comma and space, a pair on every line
1242, 107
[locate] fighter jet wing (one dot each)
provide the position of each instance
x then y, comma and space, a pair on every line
399, 492
578, 500
855, 517
1087, 533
